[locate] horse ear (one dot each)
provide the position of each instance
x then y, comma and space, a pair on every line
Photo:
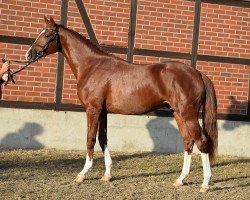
52, 22
46, 20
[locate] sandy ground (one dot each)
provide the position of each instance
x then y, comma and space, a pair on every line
49, 174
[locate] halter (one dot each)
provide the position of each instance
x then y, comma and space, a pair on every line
40, 54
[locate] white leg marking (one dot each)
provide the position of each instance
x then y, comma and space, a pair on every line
87, 166
186, 167
206, 169
108, 161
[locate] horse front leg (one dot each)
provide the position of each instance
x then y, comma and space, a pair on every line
92, 123
102, 136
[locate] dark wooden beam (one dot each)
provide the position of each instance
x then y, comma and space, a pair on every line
221, 59
27, 105
114, 49
16, 40
87, 23
142, 52
196, 29
131, 32
164, 54
236, 3
79, 108
60, 63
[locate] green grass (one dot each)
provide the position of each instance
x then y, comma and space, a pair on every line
49, 174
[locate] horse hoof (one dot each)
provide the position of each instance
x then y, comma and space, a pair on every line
204, 189
178, 184
79, 178
106, 178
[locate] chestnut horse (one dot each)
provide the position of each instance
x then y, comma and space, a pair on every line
105, 82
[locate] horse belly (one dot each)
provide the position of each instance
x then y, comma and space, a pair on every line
133, 103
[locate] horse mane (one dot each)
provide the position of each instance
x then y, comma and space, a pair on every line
98, 49
90, 44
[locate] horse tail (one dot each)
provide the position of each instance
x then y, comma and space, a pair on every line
209, 118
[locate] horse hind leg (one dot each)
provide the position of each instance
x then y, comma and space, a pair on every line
203, 145
201, 142
188, 146
102, 137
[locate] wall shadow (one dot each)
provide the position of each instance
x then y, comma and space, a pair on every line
24, 138
165, 135
229, 125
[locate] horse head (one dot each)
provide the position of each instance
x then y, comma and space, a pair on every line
46, 43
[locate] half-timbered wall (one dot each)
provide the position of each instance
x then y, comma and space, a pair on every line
213, 37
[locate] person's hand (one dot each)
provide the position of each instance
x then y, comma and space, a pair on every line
5, 68
5, 77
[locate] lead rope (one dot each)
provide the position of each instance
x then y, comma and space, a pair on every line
12, 74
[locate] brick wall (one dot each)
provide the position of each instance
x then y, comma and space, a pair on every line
225, 31
25, 19
161, 25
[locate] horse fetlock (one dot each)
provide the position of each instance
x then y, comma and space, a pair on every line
206, 181
185, 173
182, 177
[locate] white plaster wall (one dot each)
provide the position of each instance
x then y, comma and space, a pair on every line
26, 128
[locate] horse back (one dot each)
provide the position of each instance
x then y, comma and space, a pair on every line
134, 89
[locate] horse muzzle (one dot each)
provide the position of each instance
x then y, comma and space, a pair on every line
32, 55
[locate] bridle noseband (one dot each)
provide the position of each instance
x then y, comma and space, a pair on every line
44, 48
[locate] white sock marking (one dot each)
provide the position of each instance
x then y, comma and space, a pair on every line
108, 161
186, 167
206, 169
87, 166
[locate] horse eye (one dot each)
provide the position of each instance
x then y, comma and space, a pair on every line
47, 35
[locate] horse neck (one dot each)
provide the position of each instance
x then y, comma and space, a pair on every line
76, 50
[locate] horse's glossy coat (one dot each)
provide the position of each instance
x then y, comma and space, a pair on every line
105, 82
